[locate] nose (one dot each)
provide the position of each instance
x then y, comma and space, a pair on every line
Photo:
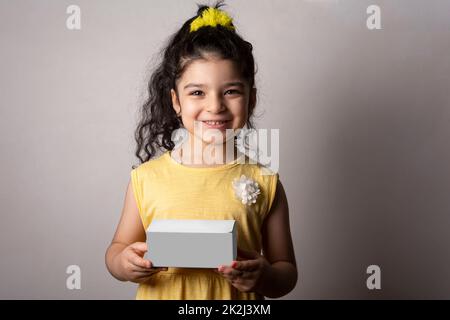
215, 104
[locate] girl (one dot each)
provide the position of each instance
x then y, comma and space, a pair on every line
204, 82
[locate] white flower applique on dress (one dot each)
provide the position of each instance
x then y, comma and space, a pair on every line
246, 190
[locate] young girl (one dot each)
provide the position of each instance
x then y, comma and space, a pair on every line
204, 82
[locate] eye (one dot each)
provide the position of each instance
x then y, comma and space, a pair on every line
233, 91
194, 93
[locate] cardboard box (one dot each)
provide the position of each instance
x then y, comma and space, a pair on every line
191, 243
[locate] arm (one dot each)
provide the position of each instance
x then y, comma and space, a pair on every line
280, 277
123, 257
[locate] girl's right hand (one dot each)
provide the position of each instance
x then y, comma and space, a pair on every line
133, 266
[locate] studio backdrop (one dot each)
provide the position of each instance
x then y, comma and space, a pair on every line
360, 93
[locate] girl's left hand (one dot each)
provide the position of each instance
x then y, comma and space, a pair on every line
246, 273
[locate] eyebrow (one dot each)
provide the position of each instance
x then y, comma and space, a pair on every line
228, 84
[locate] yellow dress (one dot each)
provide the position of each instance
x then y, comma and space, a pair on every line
167, 189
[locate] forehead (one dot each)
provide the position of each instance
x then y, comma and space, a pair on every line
210, 71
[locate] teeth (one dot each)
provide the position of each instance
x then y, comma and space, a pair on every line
214, 122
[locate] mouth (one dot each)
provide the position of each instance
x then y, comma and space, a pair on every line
216, 124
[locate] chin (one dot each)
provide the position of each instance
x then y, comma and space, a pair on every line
224, 137
214, 142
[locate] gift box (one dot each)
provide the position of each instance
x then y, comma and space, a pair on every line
191, 243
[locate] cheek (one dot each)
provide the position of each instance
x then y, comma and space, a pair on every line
190, 116
190, 111
239, 113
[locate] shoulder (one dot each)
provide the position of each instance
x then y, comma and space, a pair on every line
149, 172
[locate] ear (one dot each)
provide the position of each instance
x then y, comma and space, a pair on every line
175, 103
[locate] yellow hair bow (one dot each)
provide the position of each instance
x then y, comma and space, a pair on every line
212, 17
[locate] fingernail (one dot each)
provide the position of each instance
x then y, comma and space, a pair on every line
220, 268
233, 264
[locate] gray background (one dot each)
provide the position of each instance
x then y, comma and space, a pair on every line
364, 137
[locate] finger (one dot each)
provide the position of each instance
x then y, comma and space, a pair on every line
223, 271
140, 262
153, 270
246, 275
160, 268
140, 274
237, 279
246, 265
230, 272
140, 247
140, 269
149, 271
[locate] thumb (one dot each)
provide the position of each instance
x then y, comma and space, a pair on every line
140, 247
246, 255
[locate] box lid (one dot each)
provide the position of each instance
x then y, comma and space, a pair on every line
190, 225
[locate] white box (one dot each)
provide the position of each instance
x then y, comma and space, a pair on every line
191, 243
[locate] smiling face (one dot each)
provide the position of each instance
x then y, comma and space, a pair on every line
212, 96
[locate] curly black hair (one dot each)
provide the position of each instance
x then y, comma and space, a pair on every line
158, 119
